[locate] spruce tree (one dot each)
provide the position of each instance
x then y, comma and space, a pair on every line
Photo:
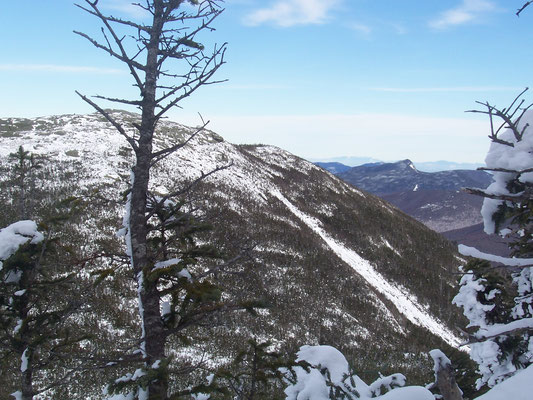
498, 302
25, 166
256, 373
38, 305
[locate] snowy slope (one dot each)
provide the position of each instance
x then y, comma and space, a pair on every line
336, 264
404, 301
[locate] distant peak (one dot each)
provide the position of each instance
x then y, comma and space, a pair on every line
407, 164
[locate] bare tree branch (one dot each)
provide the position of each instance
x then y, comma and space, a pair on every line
516, 198
113, 122
523, 7
132, 65
158, 206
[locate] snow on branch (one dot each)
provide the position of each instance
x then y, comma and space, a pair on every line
511, 262
15, 235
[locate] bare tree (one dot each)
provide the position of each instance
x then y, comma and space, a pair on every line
445, 377
524, 6
151, 53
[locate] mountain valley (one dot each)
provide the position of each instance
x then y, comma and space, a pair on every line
434, 198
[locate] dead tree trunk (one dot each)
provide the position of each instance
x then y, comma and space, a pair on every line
165, 39
444, 377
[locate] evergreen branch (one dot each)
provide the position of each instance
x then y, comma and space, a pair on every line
195, 317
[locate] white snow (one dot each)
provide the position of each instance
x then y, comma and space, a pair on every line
140, 288
388, 383
17, 327
467, 298
17, 395
315, 383
512, 262
493, 366
184, 273
143, 394
326, 356
15, 235
166, 263
201, 396
165, 308
24, 361
408, 393
500, 329
129, 396
387, 244
517, 387
402, 300
440, 361
516, 157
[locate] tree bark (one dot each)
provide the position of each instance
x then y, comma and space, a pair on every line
447, 386
154, 337
27, 379
445, 379
159, 42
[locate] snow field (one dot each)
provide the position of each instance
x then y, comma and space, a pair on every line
405, 303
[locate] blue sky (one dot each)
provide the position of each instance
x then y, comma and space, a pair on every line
388, 79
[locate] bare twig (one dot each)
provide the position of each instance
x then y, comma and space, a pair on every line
112, 120
523, 7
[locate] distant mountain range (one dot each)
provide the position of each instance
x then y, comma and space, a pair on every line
434, 199
428, 166
402, 176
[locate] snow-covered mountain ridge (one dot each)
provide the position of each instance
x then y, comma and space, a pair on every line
337, 265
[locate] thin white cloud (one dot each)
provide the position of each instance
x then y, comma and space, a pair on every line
447, 89
467, 12
59, 68
361, 28
286, 13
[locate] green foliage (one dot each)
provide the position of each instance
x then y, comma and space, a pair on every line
497, 290
35, 311
256, 373
23, 172
501, 294
464, 372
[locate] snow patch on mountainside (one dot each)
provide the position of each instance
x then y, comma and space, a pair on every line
406, 303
